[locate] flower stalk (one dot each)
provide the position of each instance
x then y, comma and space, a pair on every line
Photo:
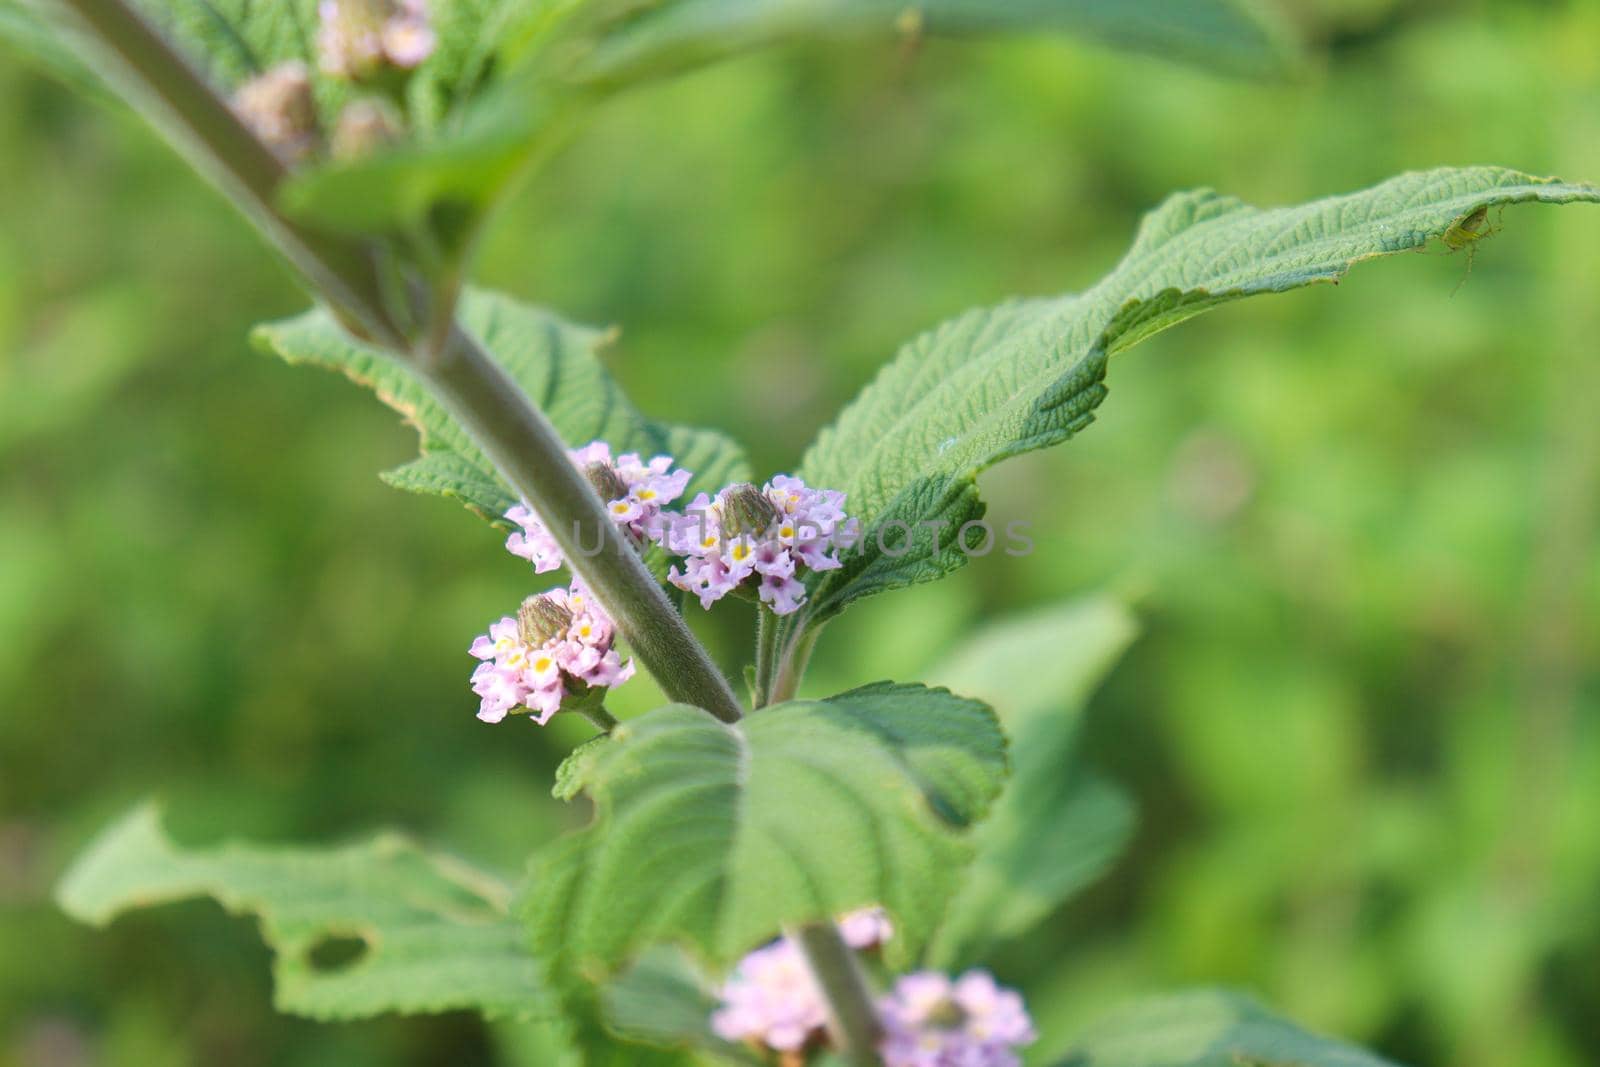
347, 276
356, 279
852, 1021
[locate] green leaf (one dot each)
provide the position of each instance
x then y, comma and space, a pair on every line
234, 40
435, 935
1058, 825
664, 1000
554, 361
644, 40
998, 382
717, 835
1210, 1028
569, 776
443, 179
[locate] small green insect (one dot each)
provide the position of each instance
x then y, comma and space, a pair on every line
1467, 232
1463, 233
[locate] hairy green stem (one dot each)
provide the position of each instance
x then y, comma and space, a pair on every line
768, 630
346, 275
795, 653
602, 719
526, 449
852, 1021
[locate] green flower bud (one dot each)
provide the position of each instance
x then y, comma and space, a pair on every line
606, 481
541, 618
365, 126
746, 510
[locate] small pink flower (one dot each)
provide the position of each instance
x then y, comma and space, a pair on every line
279, 108
559, 645
771, 1000
357, 39
769, 532
930, 1021
866, 929
634, 491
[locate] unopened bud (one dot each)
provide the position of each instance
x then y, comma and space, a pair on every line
606, 481
746, 510
279, 108
360, 39
365, 126
541, 618
947, 1015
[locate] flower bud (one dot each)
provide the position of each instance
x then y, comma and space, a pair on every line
746, 510
365, 126
541, 618
362, 39
279, 108
606, 481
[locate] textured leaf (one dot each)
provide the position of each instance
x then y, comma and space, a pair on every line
998, 382
554, 361
238, 39
654, 38
717, 835
437, 934
1210, 1028
664, 1000
1058, 825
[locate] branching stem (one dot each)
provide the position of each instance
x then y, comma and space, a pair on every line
515, 435
527, 451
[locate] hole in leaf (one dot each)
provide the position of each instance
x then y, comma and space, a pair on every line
336, 952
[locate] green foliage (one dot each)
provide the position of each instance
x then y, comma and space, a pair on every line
234, 40
998, 382
662, 999
555, 362
719, 835
646, 39
716, 836
1209, 1029
434, 935
1058, 825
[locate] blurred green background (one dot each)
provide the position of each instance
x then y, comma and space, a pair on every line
1361, 723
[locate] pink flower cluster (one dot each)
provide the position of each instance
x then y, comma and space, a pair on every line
559, 646
761, 536
358, 38
279, 108
771, 1001
634, 491
931, 1021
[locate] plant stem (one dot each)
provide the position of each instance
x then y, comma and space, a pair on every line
768, 630
602, 719
852, 1021
516, 436
526, 449
791, 663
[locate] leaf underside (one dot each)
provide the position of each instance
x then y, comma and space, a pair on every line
716, 835
557, 365
653, 39
432, 934
1209, 1028
997, 382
